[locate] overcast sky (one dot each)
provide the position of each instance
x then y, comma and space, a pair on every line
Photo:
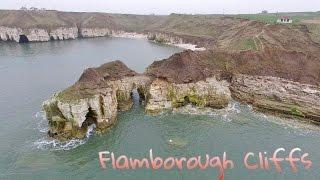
168, 6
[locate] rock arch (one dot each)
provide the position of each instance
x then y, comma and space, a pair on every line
91, 118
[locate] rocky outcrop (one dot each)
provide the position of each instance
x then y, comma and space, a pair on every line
163, 95
101, 92
93, 100
69, 119
190, 66
274, 80
278, 95
203, 79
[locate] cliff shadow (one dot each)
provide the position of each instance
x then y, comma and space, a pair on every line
91, 118
23, 39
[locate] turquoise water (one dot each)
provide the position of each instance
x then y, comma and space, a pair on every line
30, 73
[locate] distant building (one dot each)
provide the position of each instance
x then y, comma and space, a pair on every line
34, 9
23, 8
286, 20
264, 12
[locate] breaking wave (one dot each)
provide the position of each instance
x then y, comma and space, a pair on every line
232, 109
56, 145
42, 123
51, 144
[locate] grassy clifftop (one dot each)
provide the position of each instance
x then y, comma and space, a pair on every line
228, 32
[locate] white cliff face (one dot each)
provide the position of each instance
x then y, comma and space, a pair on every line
37, 35
94, 32
69, 118
10, 34
173, 40
103, 105
209, 93
63, 33
130, 35
124, 88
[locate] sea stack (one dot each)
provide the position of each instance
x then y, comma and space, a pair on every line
94, 99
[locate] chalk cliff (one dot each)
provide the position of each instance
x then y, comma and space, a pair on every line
268, 80
93, 100
94, 32
37, 34
277, 81
163, 95
273, 67
196, 32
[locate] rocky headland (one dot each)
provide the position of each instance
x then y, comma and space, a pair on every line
93, 100
269, 80
274, 67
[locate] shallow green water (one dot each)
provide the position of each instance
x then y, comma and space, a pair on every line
30, 73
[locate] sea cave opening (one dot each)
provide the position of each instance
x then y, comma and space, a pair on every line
187, 101
91, 119
23, 39
135, 95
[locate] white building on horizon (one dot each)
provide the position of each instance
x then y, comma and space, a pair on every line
285, 20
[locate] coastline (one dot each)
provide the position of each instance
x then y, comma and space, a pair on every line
134, 35
42, 35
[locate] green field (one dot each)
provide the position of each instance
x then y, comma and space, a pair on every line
271, 18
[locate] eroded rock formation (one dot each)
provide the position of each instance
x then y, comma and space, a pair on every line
164, 95
278, 95
269, 81
274, 67
281, 81
37, 34
94, 99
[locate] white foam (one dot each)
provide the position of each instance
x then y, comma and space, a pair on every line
55, 145
225, 113
51, 144
42, 123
